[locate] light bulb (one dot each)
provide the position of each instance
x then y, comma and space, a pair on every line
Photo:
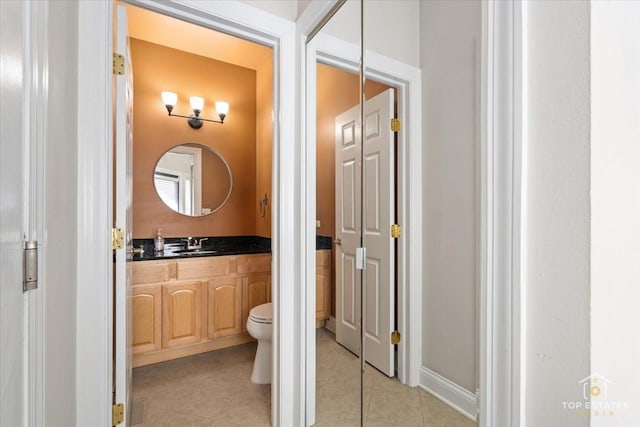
169, 98
222, 108
197, 103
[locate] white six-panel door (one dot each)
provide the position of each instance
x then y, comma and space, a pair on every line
379, 199
347, 195
377, 194
123, 212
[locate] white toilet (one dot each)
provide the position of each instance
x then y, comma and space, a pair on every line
259, 326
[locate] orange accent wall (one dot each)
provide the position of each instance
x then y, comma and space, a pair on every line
157, 68
264, 140
337, 91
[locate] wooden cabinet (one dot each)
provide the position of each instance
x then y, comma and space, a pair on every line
224, 308
181, 314
323, 295
323, 286
146, 305
256, 290
183, 307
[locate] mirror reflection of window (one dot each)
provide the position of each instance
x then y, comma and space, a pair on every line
193, 179
168, 187
184, 163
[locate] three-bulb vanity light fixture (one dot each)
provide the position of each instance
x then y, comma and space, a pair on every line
197, 104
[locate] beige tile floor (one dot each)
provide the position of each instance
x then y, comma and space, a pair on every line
214, 389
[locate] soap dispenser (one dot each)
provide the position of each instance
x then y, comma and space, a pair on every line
158, 243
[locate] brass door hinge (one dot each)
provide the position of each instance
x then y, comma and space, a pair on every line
395, 125
117, 413
396, 231
117, 238
118, 64
395, 338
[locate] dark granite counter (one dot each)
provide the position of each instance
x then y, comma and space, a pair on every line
213, 246
323, 242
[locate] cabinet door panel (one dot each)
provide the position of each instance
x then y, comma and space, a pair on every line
256, 291
323, 293
323, 258
225, 307
146, 324
181, 314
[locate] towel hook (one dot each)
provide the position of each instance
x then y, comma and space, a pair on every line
262, 204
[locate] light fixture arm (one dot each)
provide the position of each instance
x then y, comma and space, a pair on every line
194, 120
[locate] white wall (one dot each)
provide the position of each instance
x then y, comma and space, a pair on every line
449, 37
390, 27
557, 231
287, 9
615, 206
59, 286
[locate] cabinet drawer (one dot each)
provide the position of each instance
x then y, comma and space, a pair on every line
254, 264
204, 268
323, 258
152, 272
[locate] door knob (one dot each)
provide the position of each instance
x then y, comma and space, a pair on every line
337, 241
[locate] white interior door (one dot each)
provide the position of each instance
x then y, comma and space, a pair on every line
378, 190
123, 197
14, 168
378, 202
348, 206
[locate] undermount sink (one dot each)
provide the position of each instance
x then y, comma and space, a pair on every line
194, 252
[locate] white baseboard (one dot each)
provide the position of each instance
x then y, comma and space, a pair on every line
449, 392
331, 324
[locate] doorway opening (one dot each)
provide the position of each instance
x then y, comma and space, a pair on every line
191, 350
337, 97
332, 53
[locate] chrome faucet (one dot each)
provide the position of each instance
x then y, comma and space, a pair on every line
194, 243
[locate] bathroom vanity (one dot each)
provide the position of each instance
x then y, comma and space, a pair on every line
189, 305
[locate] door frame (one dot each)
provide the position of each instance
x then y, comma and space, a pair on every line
503, 197
503, 130
503, 194
94, 275
407, 80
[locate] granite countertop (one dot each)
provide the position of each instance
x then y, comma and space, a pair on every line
213, 246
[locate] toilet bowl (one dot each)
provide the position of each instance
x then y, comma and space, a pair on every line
260, 327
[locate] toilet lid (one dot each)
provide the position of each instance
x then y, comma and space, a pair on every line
262, 313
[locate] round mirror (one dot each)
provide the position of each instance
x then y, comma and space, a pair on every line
193, 179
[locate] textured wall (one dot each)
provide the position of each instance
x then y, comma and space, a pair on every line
264, 143
157, 68
557, 232
615, 205
449, 38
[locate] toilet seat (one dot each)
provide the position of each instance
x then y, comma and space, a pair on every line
262, 313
